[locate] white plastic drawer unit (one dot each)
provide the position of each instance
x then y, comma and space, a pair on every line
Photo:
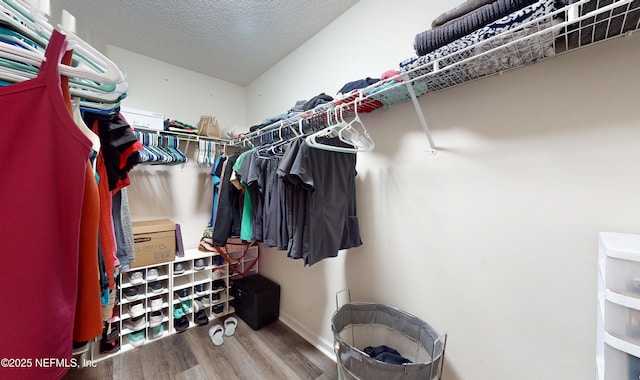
620, 365
622, 317
621, 263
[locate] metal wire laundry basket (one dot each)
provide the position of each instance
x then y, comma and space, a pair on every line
358, 325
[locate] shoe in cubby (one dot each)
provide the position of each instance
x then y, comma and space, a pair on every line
199, 264
152, 274
109, 346
155, 318
200, 289
197, 305
136, 309
206, 301
179, 268
180, 320
186, 306
218, 284
135, 277
219, 273
218, 309
201, 318
157, 331
156, 287
135, 323
183, 294
156, 303
136, 338
217, 295
131, 294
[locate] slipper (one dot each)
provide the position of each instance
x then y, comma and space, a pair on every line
230, 325
215, 333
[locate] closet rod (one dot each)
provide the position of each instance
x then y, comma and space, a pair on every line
188, 137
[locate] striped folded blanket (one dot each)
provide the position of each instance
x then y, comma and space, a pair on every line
433, 39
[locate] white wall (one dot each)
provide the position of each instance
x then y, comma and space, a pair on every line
180, 193
494, 239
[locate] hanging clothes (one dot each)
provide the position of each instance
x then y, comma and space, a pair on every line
228, 213
43, 158
216, 174
328, 181
302, 201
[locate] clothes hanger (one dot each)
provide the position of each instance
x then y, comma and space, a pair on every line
28, 20
346, 132
77, 117
359, 139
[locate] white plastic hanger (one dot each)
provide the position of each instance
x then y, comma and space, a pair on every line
346, 132
28, 19
77, 117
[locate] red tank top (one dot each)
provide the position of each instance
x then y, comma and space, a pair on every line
43, 156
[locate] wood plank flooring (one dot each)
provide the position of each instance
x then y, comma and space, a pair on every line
273, 352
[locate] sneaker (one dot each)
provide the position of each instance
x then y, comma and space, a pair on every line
109, 346
181, 323
218, 284
152, 274
110, 332
79, 347
135, 338
136, 278
156, 304
217, 295
156, 287
206, 302
131, 294
218, 309
201, 318
178, 312
155, 318
199, 264
186, 306
201, 289
219, 273
136, 309
197, 305
183, 294
157, 331
217, 260
178, 268
135, 324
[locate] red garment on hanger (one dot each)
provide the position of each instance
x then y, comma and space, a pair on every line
88, 321
43, 158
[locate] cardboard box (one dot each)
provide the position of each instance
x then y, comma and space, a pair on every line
154, 242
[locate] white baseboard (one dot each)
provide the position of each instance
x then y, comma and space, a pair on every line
320, 343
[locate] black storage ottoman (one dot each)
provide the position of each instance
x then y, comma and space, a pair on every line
256, 300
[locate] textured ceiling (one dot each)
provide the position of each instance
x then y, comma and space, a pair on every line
233, 40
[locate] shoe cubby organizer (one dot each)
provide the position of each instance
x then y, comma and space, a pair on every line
160, 300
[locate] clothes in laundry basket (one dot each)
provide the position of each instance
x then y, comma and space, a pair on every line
386, 354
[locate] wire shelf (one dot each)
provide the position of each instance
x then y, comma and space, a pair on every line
555, 31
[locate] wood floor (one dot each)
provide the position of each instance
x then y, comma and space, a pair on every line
273, 352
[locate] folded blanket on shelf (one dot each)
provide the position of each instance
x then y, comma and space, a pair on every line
459, 11
494, 35
393, 92
433, 39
